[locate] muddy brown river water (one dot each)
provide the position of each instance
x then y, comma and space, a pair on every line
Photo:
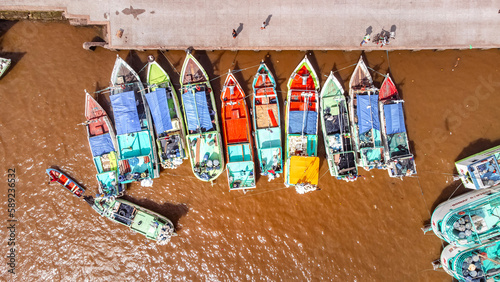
368, 230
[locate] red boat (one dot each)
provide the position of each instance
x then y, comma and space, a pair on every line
96, 117
57, 176
237, 138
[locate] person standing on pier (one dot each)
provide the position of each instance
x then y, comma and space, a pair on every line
234, 33
263, 26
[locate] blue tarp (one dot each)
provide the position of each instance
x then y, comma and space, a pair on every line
101, 144
368, 113
158, 106
394, 118
197, 114
125, 112
297, 123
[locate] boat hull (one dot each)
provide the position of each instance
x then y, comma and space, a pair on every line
170, 134
63, 179
339, 147
238, 141
137, 152
301, 127
203, 139
267, 123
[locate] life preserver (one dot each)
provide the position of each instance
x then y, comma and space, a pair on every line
198, 88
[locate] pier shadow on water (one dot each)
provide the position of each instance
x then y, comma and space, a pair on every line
174, 212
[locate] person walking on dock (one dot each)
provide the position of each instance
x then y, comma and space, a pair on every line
263, 26
234, 33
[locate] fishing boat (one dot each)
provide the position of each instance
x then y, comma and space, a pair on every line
481, 170
200, 112
168, 123
68, 183
141, 220
400, 161
4, 65
474, 264
339, 147
102, 141
469, 219
137, 154
365, 121
238, 141
301, 122
267, 123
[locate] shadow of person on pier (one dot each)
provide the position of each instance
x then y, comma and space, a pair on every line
268, 19
174, 212
239, 29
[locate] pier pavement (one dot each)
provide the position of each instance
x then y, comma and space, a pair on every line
291, 24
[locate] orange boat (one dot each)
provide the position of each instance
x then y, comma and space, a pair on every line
68, 183
237, 138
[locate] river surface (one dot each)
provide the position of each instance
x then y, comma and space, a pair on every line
367, 230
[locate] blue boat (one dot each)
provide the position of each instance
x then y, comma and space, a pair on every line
137, 155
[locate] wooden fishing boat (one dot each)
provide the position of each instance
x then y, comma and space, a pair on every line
141, 220
475, 264
480, 170
4, 65
339, 146
68, 183
137, 154
365, 120
301, 121
102, 142
167, 116
238, 141
200, 112
267, 123
400, 161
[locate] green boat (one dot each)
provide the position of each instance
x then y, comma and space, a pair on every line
4, 65
267, 123
339, 147
365, 120
137, 155
476, 264
301, 129
470, 219
200, 113
167, 116
148, 223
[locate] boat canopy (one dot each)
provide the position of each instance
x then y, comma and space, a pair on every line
304, 170
196, 107
394, 118
368, 113
101, 145
302, 122
157, 101
125, 112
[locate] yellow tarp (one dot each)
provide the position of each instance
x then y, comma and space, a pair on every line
304, 170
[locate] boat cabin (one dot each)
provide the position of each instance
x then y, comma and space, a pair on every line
480, 170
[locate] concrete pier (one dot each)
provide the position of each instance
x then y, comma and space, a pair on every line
291, 24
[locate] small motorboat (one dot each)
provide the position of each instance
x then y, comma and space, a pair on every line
68, 183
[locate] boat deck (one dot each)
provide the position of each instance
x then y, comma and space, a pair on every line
303, 170
205, 154
134, 144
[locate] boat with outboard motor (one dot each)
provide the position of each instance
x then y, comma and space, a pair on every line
240, 166
58, 176
141, 220
301, 122
167, 116
102, 142
365, 120
339, 146
200, 113
267, 123
469, 219
137, 155
400, 161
